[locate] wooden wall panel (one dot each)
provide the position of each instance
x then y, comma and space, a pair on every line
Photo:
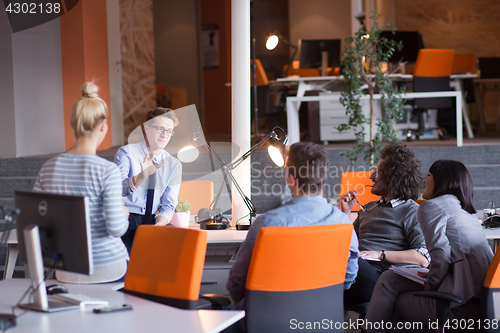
467, 26
138, 61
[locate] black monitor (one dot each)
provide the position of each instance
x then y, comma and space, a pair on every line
53, 231
412, 43
489, 67
311, 49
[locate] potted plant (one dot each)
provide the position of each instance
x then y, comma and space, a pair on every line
364, 57
181, 215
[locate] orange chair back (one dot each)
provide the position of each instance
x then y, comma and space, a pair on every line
261, 74
199, 193
492, 279
464, 63
356, 180
299, 258
307, 72
434, 62
419, 201
167, 262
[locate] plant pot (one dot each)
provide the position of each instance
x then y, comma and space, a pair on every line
181, 219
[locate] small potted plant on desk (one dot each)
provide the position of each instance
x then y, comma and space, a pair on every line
181, 215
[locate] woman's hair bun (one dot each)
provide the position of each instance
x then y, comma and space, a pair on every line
89, 90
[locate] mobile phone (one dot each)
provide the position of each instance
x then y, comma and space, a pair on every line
113, 308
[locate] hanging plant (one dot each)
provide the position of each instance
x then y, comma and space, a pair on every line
365, 62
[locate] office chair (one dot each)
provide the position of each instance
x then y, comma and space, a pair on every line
263, 99
166, 265
431, 73
357, 180
464, 63
199, 193
297, 273
490, 287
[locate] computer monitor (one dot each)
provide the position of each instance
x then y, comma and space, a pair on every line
412, 43
489, 67
311, 49
53, 230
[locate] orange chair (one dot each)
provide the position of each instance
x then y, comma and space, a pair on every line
199, 193
295, 70
261, 74
464, 63
491, 286
357, 180
432, 73
166, 265
297, 273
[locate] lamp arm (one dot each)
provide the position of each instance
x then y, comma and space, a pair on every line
214, 154
215, 202
249, 203
290, 61
243, 157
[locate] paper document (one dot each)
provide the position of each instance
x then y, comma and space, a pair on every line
411, 272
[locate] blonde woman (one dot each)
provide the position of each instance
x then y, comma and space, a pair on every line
79, 171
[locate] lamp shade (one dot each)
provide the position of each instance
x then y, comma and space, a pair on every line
276, 156
272, 42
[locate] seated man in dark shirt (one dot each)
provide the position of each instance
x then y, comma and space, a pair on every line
388, 231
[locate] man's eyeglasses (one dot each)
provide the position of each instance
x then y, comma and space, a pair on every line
160, 130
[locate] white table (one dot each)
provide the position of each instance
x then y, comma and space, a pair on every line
226, 236
146, 316
292, 105
320, 82
11, 255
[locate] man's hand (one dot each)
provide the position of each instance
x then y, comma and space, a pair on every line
127, 213
147, 169
348, 201
161, 220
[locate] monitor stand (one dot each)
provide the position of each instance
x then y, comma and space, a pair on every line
324, 63
36, 271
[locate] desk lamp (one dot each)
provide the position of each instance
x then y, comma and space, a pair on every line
273, 41
211, 218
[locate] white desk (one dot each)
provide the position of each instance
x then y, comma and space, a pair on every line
146, 316
227, 236
292, 105
319, 83
12, 253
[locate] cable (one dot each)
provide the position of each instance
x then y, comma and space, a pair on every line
241, 218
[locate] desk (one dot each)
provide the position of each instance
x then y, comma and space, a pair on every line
493, 234
146, 316
292, 105
480, 87
319, 83
12, 253
228, 236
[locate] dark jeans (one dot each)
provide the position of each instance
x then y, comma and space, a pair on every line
134, 220
362, 289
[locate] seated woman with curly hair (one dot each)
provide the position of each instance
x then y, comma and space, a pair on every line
458, 247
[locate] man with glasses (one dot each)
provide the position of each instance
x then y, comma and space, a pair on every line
151, 177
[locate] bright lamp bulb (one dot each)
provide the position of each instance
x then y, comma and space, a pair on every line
276, 156
272, 42
188, 154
